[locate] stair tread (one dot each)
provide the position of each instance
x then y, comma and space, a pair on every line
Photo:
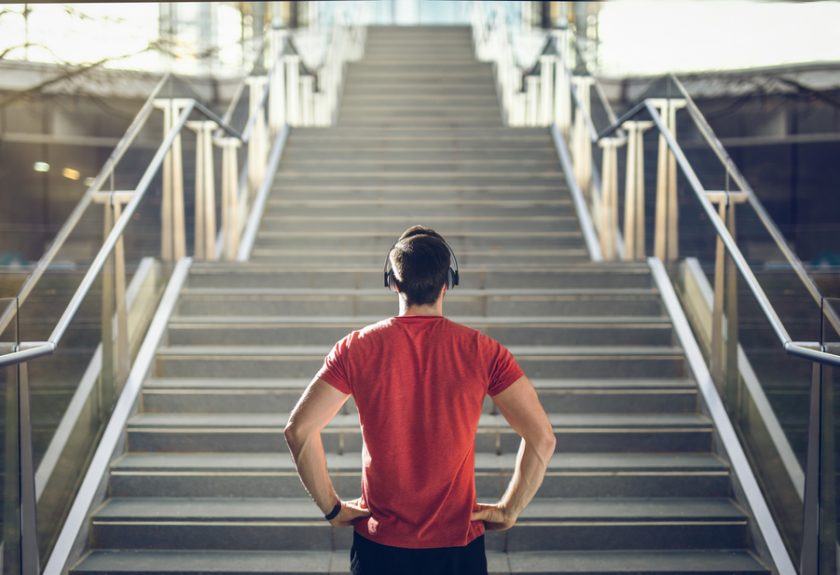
357, 322
568, 462
289, 509
276, 421
499, 292
517, 350
300, 384
230, 561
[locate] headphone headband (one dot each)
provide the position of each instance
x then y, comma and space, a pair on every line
453, 275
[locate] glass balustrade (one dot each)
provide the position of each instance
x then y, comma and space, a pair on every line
10, 538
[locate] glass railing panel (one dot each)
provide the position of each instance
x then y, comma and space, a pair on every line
829, 561
74, 389
10, 516
765, 390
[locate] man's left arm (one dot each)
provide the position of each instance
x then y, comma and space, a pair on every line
315, 409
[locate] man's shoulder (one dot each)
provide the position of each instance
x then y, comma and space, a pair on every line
369, 331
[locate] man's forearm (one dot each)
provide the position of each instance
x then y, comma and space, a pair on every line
531, 465
311, 462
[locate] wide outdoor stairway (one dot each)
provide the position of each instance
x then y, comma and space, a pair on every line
206, 483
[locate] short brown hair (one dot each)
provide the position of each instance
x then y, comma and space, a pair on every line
420, 261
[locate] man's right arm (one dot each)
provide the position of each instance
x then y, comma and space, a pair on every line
522, 409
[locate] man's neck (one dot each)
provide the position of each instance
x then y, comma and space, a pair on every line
433, 309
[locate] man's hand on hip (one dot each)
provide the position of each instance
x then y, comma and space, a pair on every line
350, 511
494, 516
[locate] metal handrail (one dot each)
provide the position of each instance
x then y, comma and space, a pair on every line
31, 350
38, 349
107, 170
76, 215
790, 346
131, 133
708, 134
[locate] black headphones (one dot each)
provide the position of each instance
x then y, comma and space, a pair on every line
452, 275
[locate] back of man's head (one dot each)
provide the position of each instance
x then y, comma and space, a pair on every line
420, 260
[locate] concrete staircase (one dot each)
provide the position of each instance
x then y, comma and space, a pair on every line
206, 484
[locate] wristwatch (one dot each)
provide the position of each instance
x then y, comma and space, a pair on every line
334, 513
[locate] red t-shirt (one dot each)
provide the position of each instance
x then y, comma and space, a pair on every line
419, 384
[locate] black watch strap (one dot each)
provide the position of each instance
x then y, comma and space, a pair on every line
334, 513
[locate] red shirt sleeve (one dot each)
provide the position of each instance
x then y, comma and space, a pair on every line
504, 370
334, 370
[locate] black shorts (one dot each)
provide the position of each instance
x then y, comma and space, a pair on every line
370, 558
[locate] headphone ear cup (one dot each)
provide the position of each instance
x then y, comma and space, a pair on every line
450, 279
392, 281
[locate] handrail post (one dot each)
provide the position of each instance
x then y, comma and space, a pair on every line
173, 226
277, 89
532, 84
306, 95
562, 103
292, 62
581, 146
257, 142
607, 212
666, 241
230, 198
205, 190
546, 89
30, 562
724, 343
116, 359
562, 98
634, 191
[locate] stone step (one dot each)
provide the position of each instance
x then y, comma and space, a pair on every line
260, 432
298, 240
393, 56
461, 190
190, 395
378, 144
705, 562
394, 225
430, 67
480, 136
396, 85
261, 276
526, 305
433, 90
422, 109
420, 117
246, 475
460, 44
547, 524
331, 258
374, 165
397, 122
442, 101
420, 178
421, 208
376, 240
461, 155
304, 361
516, 330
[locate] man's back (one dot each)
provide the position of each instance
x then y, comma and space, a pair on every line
419, 384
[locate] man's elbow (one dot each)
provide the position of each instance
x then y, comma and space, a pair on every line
295, 436
545, 444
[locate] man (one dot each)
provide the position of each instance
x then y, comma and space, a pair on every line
419, 381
